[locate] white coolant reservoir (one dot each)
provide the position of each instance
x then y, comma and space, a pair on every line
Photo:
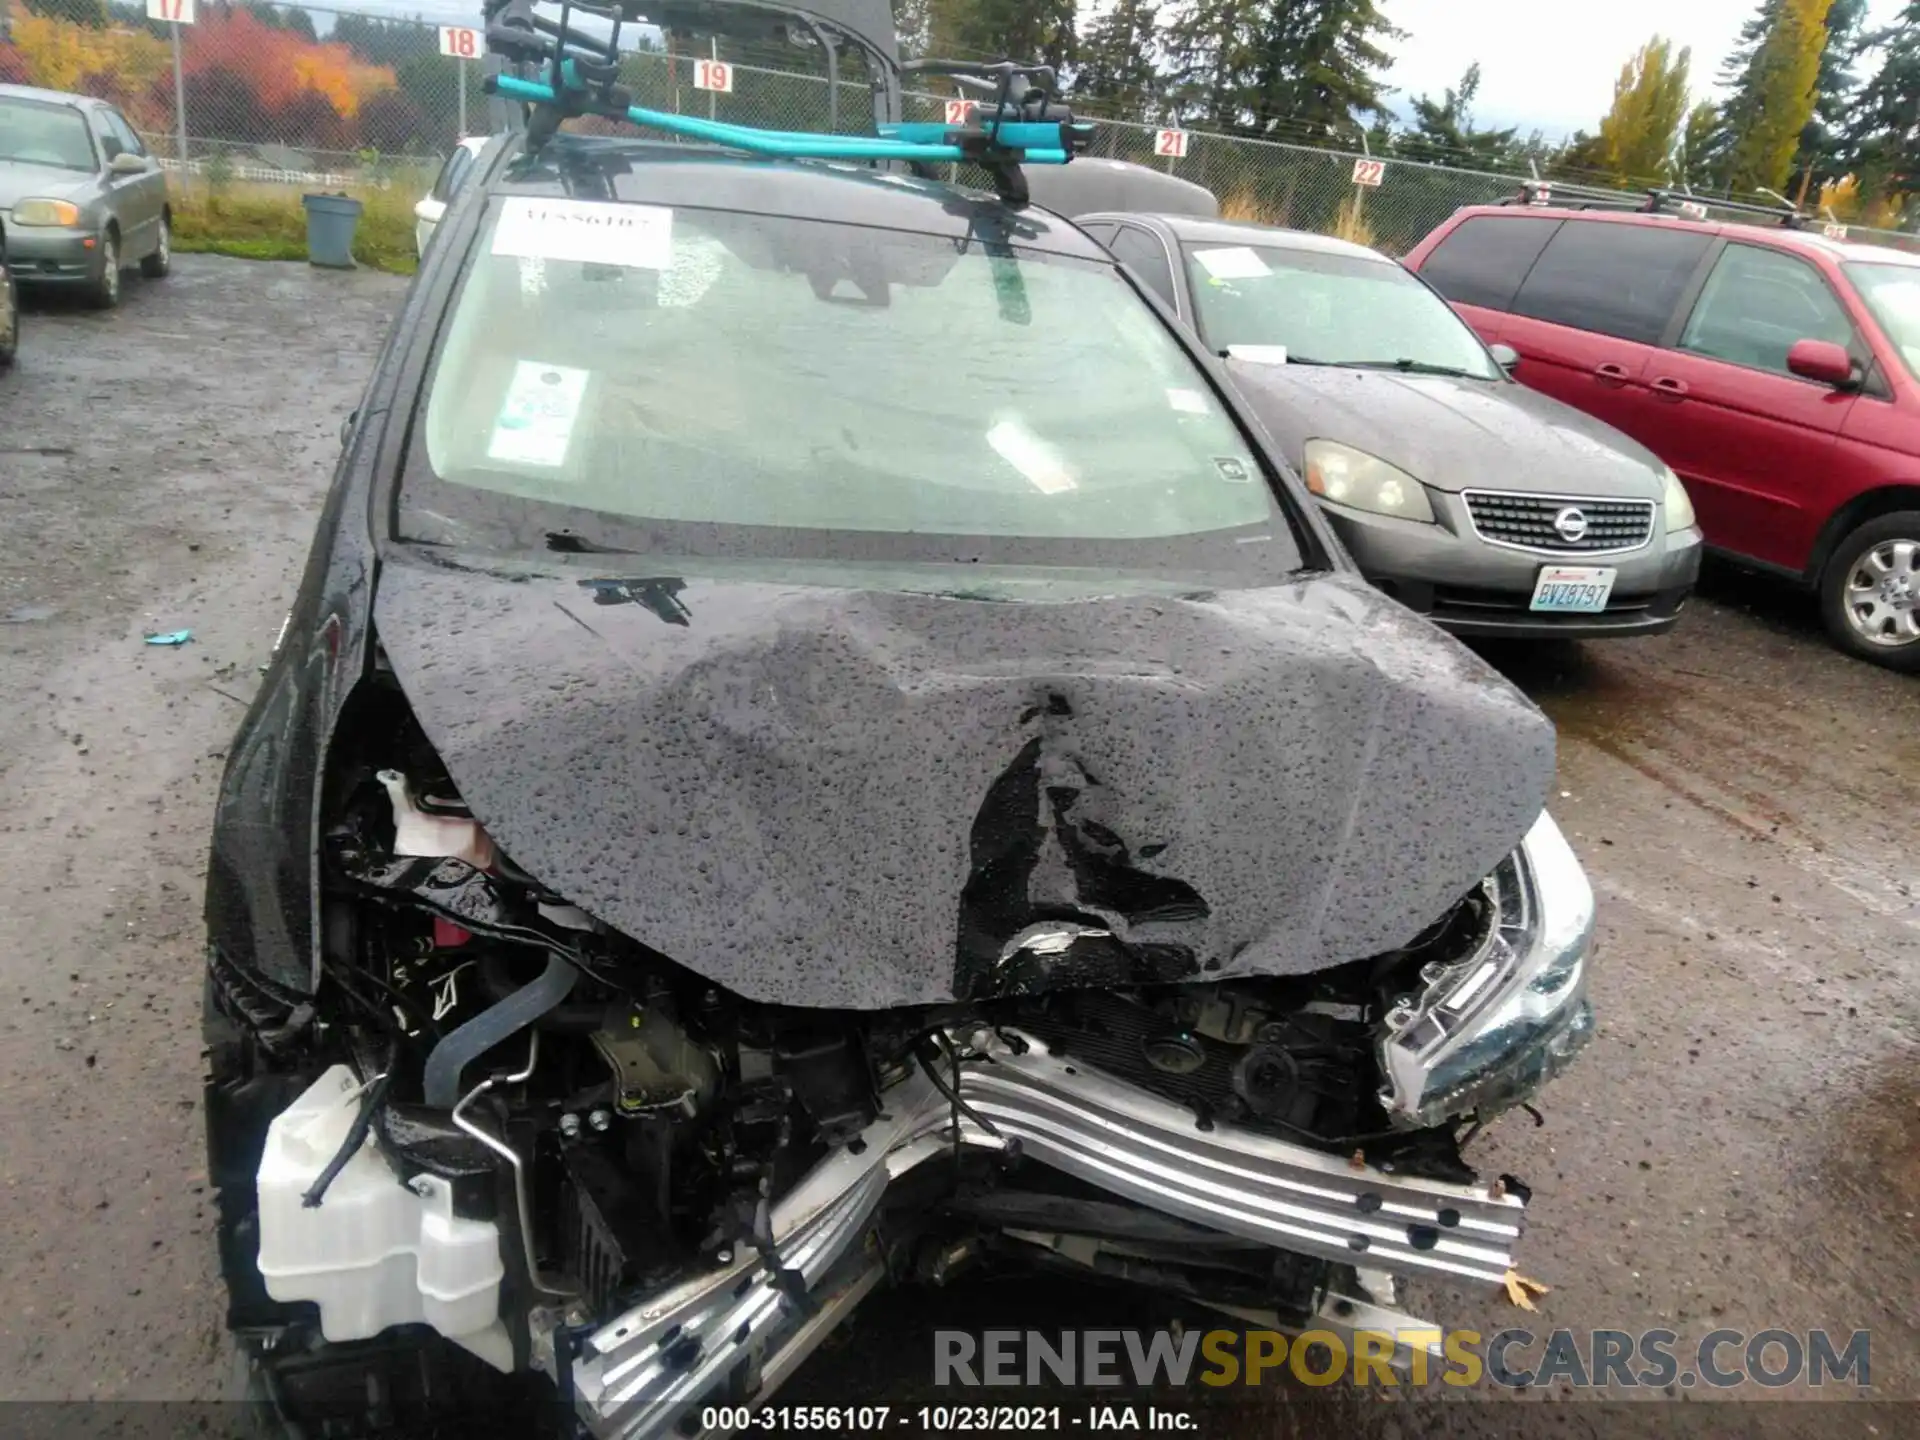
420, 832
374, 1252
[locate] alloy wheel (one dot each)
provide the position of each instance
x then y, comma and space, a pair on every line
1883, 593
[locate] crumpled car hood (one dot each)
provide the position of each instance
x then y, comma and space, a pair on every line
866, 799
1450, 433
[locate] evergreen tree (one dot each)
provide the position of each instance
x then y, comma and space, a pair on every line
1822, 147
1299, 67
1001, 30
1444, 134
1702, 147
1774, 71
1639, 134
1116, 66
1884, 135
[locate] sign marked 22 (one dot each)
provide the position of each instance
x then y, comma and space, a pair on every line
180, 12
1369, 172
460, 42
713, 75
1172, 144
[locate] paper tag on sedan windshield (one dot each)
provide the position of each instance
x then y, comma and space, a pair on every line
1235, 263
535, 423
594, 232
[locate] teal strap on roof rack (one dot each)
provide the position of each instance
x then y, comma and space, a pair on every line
792, 144
558, 70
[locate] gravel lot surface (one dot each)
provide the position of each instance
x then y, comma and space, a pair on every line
1740, 1148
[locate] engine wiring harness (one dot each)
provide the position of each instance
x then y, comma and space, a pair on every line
560, 71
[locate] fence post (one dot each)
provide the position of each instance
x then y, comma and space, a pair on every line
179, 98
460, 69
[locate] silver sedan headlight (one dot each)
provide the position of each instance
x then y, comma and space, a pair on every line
1351, 477
1488, 1030
1677, 504
46, 212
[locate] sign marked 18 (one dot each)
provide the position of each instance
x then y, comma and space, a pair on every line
460, 42
1170, 144
713, 75
180, 12
1369, 172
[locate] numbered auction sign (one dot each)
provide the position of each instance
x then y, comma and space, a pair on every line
180, 12
460, 42
713, 75
959, 112
1369, 172
1172, 144
1834, 232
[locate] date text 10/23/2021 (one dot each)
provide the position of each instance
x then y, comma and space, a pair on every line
944, 1419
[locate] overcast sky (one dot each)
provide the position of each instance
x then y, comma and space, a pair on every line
1553, 66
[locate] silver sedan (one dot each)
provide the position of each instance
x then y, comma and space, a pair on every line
80, 197
1490, 508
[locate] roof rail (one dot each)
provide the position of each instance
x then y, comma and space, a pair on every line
562, 71
1658, 201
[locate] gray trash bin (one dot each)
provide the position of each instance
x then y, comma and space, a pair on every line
331, 221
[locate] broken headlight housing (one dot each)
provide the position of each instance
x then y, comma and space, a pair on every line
1489, 1029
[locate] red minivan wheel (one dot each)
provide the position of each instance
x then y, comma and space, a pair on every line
1870, 592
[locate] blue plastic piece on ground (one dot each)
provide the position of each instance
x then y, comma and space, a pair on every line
172, 637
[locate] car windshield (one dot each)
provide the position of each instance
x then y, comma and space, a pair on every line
1329, 310
35, 133
710, 383
1892, 293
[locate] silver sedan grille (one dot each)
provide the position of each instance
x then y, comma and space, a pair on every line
1560, 524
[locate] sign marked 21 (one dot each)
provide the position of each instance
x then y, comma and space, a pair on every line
1171, 144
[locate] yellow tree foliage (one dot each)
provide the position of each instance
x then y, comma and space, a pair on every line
71, 57
1779, 90
1639, 134
1843, 201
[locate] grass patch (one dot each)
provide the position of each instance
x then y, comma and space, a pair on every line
267, 222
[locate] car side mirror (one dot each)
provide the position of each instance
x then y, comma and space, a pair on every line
1824, 362
1505, 356
127, 163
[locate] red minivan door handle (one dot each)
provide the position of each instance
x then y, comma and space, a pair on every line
1611, 374
1667, 388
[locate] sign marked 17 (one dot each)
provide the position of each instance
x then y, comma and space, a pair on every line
180, 12
1369, 172
460, 42
713, 75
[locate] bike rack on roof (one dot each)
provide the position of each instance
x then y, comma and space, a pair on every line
560, 70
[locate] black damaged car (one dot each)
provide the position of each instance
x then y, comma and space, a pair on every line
819, 738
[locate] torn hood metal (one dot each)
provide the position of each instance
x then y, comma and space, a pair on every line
866, 799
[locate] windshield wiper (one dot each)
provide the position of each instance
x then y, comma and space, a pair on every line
1413, 367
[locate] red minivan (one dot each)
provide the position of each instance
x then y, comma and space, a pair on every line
1776, 370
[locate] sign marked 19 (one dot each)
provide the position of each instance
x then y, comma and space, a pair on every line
460, 42
1369, 172
713, 75
180, 12
1170, 144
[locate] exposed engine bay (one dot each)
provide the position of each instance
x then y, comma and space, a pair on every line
661, 1195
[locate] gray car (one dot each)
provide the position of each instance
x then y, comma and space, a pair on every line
80, 197
1489, 507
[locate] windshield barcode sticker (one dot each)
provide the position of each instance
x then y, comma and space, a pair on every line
536, 419
639, 237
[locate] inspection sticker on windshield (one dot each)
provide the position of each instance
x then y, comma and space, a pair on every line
1238, 262
535, 423
1573, 589
1187, 402
639, 237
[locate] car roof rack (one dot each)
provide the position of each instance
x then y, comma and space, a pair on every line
559, 69
1659, 201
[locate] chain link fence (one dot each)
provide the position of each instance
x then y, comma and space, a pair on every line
318, 96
